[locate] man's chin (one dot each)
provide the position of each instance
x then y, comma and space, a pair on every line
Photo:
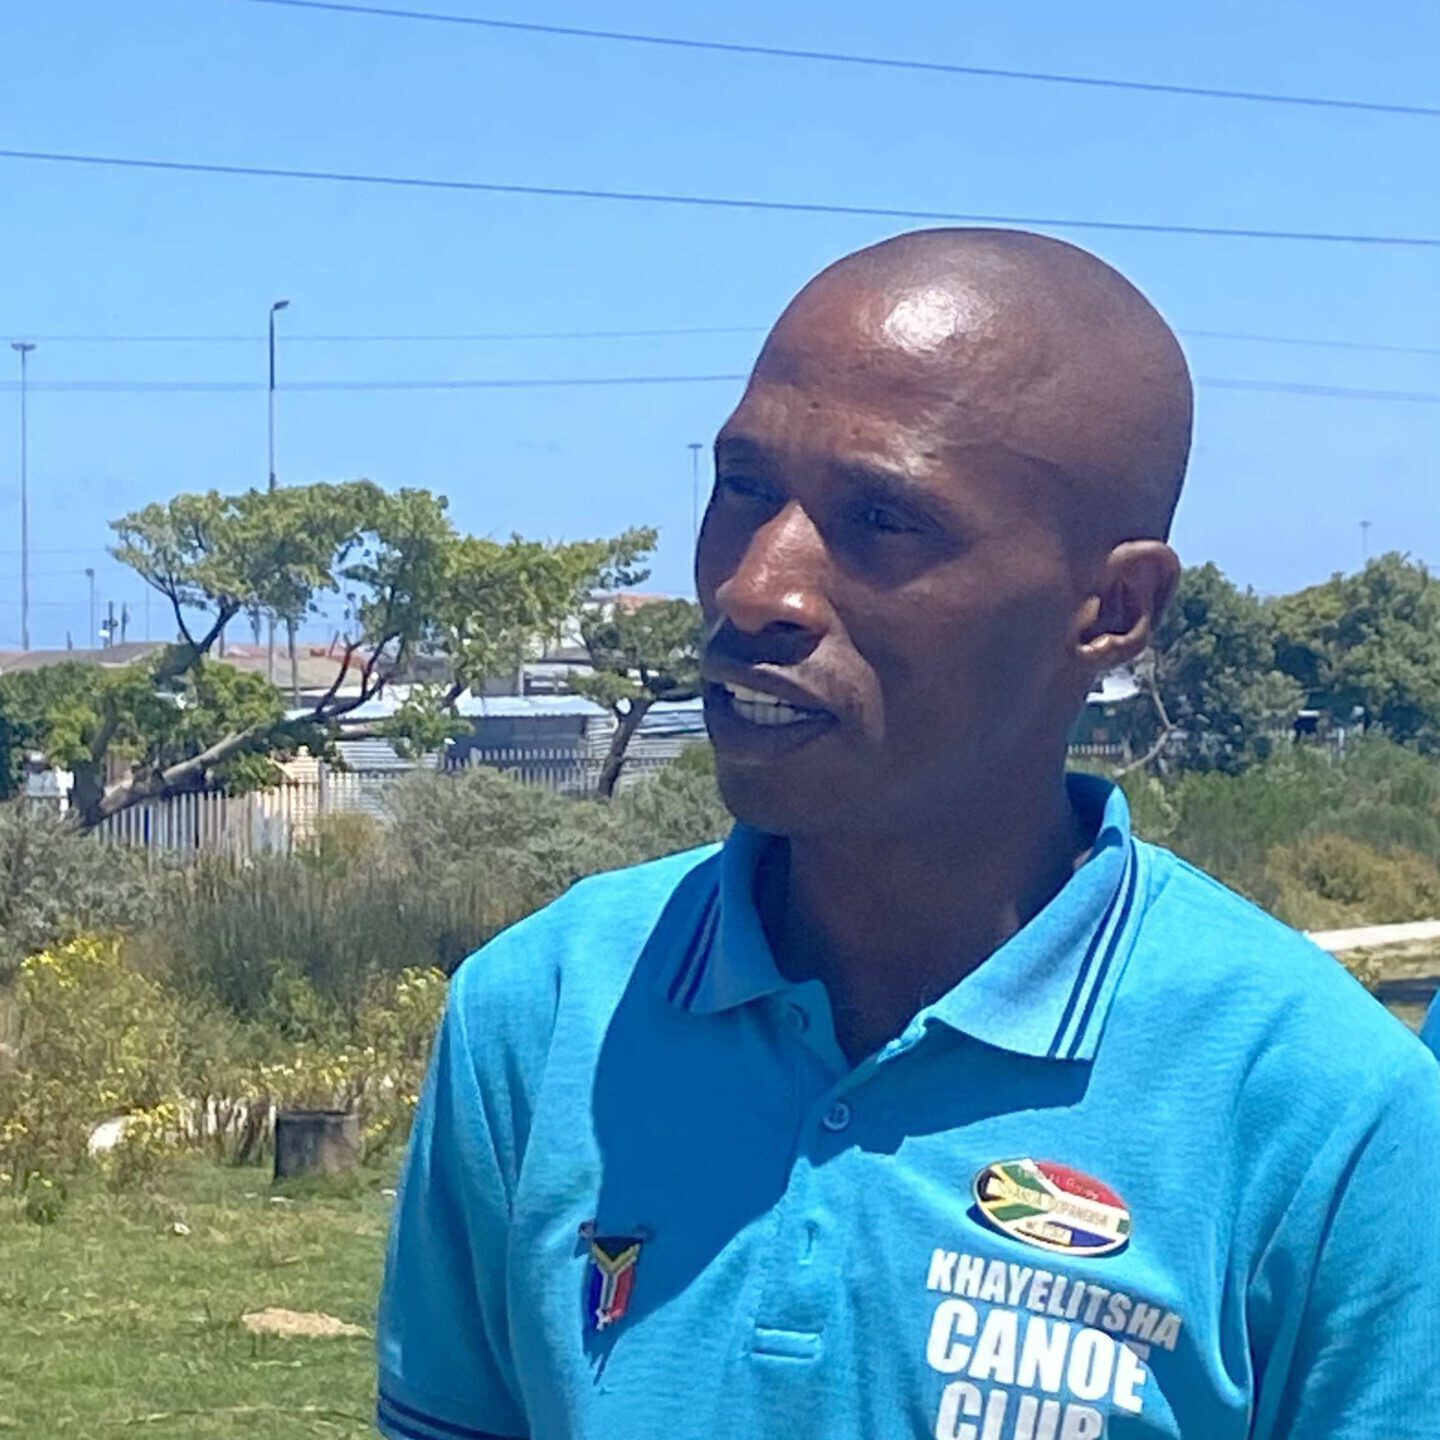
776, 800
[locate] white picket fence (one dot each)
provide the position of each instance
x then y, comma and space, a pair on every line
264, 822
277, 821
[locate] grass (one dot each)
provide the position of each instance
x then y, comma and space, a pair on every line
115, 1325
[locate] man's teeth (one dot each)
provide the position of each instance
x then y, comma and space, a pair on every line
761, 709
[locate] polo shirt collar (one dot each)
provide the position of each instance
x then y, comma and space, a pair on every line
1044, 993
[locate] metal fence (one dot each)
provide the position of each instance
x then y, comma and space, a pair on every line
574, 771
277, 821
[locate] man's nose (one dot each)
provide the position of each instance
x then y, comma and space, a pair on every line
780, 580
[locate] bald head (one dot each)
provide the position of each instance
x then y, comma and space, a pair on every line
1005, 342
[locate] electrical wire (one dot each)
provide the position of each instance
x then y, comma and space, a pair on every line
832, 57
647, 197
246, 387
292, 337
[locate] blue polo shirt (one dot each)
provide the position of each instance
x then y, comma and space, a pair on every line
1158, 1167
1430, 1031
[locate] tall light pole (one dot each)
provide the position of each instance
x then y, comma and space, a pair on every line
1364, 542
90, 576
275, 309
695, 447
23, 349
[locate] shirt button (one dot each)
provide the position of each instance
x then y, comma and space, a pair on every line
798, 1019
837, 1117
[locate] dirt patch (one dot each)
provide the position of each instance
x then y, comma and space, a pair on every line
297, 1322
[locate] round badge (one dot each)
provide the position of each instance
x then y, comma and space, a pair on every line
1052, 1206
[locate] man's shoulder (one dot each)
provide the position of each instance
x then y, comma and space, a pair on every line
1259, 976
583, 946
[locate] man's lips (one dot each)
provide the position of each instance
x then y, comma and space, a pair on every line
761, 717
753, 686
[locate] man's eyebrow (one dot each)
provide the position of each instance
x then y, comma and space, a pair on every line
739, 447
896, 483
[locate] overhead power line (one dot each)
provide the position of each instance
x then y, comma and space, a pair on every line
832, 57
291, 337
1247, 336
646, 197
228, 387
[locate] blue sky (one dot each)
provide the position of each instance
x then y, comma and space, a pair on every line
1279, 484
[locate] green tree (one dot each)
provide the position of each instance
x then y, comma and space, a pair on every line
1216, 698
1369, 644
412, 588
641, 656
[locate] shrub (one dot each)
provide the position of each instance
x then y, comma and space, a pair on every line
678, 810
96, 1039
56, 883
1329, 881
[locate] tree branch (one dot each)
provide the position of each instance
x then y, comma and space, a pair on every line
1167, 729
351, 646
173, 777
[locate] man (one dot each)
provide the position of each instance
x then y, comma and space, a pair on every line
1430, 1031
934, 1104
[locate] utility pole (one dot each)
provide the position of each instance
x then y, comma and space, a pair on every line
1364, 542
695, 447
90, 634
275, 309
23, 349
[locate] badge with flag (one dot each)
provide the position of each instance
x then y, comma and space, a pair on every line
611, 1277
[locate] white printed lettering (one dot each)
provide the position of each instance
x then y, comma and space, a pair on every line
942, 1270
994, 1357
1092, 1363
1167, 1332
1042, 1356
967, 1276
1036, 1419
959, 1399
943, 1350
1116, 1312
1129, 1377
992, 1288
1082, 1423
1143, 1320
1019, 1278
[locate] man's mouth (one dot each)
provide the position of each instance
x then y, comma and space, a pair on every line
756, 726
760, 708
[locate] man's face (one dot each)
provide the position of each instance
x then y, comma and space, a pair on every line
878, 562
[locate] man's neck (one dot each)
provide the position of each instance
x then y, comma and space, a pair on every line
890, 923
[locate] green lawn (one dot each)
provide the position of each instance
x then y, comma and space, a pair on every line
113, 1324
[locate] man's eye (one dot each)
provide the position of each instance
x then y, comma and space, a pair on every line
745, 487
885, 521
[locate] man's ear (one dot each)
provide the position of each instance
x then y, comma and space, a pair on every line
1135, 585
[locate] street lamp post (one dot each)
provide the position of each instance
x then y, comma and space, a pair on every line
23, 349
90, 576
695, 447
275, 309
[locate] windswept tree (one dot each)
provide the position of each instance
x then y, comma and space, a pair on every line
411, 587
642, 655
1215, 697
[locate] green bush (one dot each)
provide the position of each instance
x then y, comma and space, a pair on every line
1322, 841
1330, 881
96, 1039
56, 883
